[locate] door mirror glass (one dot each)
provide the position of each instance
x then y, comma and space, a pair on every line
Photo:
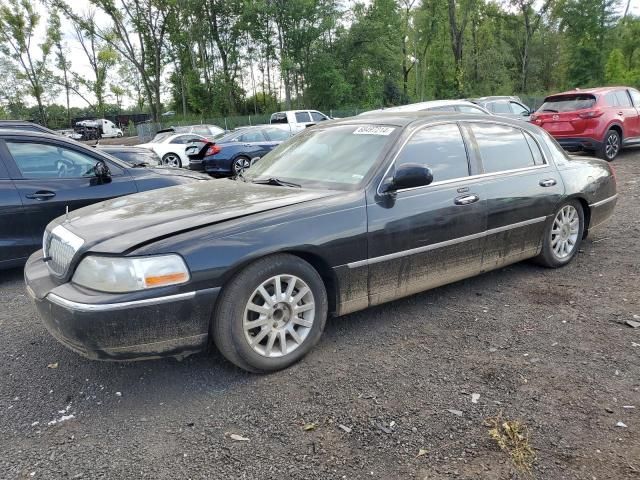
408, 175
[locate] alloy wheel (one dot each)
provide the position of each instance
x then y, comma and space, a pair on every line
240, 165
612, 145
278, 316
171, 160
564, 232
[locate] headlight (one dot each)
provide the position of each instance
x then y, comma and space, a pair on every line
121, 274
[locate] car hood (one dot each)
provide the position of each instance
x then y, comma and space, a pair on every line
120, 224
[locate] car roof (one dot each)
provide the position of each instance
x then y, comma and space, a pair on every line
412, 107
594, 91
7, 124
405, 119
490, 98
121, 148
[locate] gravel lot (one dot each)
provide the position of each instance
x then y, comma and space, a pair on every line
546, 347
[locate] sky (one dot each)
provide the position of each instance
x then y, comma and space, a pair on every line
81, 65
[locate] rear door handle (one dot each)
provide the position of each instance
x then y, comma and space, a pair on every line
40, 195
549, 182
466, 199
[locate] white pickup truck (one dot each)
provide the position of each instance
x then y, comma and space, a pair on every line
297, 120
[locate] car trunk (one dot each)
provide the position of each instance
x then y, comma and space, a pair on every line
567, 114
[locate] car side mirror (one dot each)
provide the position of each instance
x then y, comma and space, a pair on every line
408, 175
101, 170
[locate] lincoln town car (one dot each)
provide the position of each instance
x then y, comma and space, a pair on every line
346, 215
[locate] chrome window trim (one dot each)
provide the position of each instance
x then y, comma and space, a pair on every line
446, 243
107, 307
459, 123
606, 200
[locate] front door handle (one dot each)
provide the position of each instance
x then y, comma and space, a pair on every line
549, 182
40, 195
466, 199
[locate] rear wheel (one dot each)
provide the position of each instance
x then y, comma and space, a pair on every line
172, 160
270, 314
562, 235
241, 164
611, 146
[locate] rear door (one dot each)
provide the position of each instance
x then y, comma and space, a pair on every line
16, 241
521, 189
52, 177
275, 137
254, 144
420, 238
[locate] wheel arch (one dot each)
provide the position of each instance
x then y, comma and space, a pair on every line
617, 127
586, 209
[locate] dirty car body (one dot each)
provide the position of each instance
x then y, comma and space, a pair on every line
369, 239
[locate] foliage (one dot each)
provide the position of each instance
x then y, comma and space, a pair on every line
212, 58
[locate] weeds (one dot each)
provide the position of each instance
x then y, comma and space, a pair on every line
512, 437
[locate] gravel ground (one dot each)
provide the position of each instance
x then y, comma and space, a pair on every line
548, 348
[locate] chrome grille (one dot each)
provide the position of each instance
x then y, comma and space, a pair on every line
60, 245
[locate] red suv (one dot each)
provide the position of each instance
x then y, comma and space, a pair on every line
600, 120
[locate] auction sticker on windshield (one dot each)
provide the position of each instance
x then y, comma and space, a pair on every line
371, 130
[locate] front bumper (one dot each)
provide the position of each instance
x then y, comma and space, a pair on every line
116, 327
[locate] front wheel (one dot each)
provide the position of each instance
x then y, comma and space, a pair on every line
562, 235
271, 314
172, 160
611, 146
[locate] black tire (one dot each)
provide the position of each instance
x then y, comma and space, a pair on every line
548, 256
167, 157
235, 169
610, 146
227, 323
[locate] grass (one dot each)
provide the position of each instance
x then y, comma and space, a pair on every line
513, 438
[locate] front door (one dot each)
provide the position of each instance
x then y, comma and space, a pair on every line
522, 189
50, 178
424, 237
15, 238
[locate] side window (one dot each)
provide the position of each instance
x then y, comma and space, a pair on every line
500, 107
538, 159
635, 96
623, 98
611, 100
318, 117
446, 108
38, 160
502, 147
440, 148
518, 109
255, 136
470, 109
302, 117
277, 135
181, 139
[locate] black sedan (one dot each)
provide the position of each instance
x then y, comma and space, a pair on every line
233, 153
346, 215
42, 176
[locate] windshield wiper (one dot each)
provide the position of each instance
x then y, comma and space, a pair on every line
278, 182
140, 164
550, 110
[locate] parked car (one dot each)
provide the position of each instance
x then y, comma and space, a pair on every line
204, 130
170, 147
346, 215
43, 175
233, 153
462, 106
601, 120
297, 120
505, 106
24, 125
132, 156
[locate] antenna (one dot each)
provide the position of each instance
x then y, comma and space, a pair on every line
66, 213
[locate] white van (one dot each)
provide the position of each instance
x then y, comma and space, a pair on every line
297, 120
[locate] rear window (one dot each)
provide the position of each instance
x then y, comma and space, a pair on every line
568, 103
280, 117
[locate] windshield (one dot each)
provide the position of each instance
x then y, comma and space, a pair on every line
335, 157
568, 103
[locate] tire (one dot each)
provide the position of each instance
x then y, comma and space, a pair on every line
610, 146
240, 164
232, 331
558, 232
172, 160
